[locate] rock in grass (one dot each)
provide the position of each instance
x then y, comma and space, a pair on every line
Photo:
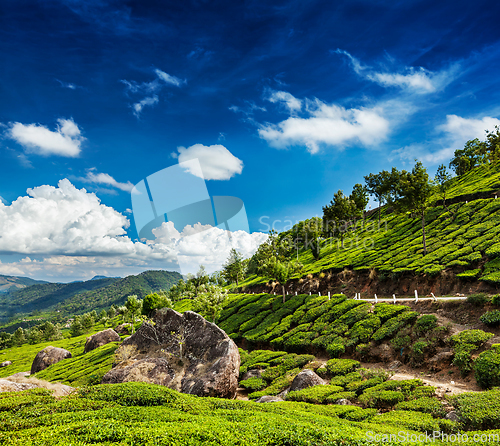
306, 378
269, 399
9, 386
124, 329
181, 351
102, 338
48, 356
5, 363
254, 373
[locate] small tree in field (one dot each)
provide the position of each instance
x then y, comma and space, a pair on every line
210, 302
234, 268
412, 194
134, 306
282, 271
442, 179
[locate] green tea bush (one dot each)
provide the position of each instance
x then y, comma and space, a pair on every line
424, 404
277, 385
402, 419
315, 394
491, 318
493, 251
253, 384
469, 274
495, 300
417, 352
487, 368
340, 395
426, 323
337, 367
478, 410
383, 399
406, 386
335, 349
394, 324
478, 300
386, 311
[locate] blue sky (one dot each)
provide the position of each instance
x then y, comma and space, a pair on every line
283, 103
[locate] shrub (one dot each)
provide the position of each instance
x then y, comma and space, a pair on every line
478, 410
417, 352
487, 368
335, 349
253, 384
339, 395
478, 300
495, 300
425, 404
402, 419
426, 323
386, 311
383, 399
476, 337
341, 366
493, 251
491, 318
314, 395
394, 324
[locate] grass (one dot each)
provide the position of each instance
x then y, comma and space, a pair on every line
22, 357
142, 414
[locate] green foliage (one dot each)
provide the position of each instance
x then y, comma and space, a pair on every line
478, 300
465, 343
394, 324
84, 369
382, 399
487, 368
426, 323
234, 269
210, 302
253, 384
337, 367
315, 394
424, 404
478, 410
491, 318
470, 274
335, 349
155, 301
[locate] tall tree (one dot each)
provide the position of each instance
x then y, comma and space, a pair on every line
134, 306
234, 268
338, 216
282, 271
379, 186
469, 157
492, 145
412, 194
359, 196
442, 179
210, 302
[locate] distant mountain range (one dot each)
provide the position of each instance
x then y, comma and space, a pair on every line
12, 283
80, 297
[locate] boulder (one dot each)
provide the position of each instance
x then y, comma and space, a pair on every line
102, 338
383, 353
254, 373
394, 365
268, 399
306, 378
47, 357
452, 416
181, 351
5, 364
343, 402
441, 360
9, 386
124, 329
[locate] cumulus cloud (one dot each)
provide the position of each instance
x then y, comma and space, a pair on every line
287, 99
106, 179
217, 163
204, 245
328, 124
451, 135
65, 233
65, 141
417, 80
151, 89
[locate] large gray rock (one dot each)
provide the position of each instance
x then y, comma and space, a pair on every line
269, 399
306, 378
47, 357
254, 373
102, 338
181, 351
9, 386
124, 329
5, 364
441, 360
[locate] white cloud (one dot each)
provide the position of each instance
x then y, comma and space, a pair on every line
151, 89
217, 163
328, 124
64, 141
455, 132
66, 233
3, 200
204, 245
290, 101
104, 178
148, 101
417, 80
464, 129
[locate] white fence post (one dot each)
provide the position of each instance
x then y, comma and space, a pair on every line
416, 296
394, 298
376, 298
